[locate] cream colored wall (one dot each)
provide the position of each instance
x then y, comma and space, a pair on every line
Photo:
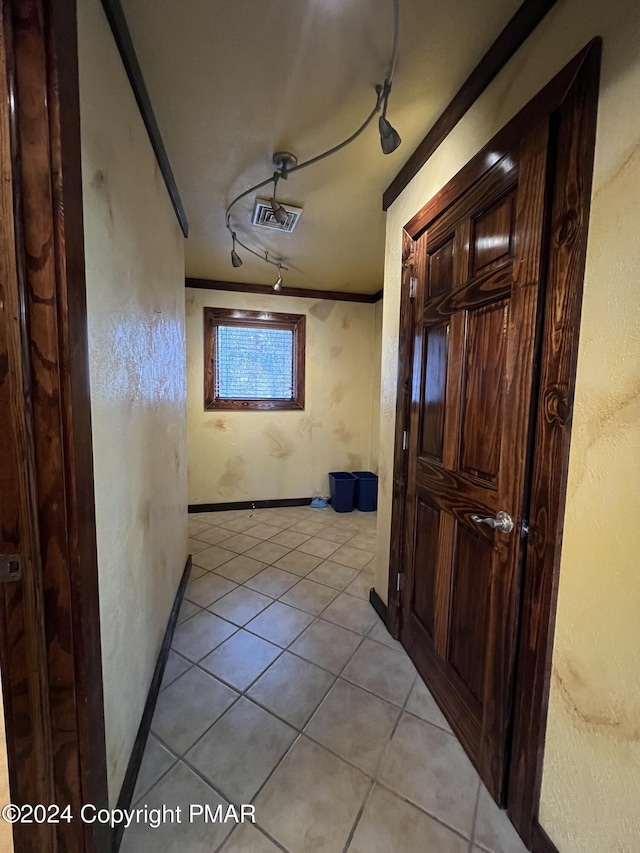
375, 383
239, 456
135, 293
591, 784
6, 832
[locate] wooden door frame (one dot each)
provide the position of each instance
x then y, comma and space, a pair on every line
571, 101
57, 728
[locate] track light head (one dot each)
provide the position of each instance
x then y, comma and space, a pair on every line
236, 260
279, 212
389, 136
278, 285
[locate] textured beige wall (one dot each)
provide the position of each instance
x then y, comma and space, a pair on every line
591, 785
6, 832
236, 456
135, 292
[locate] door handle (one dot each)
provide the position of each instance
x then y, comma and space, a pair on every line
502, 521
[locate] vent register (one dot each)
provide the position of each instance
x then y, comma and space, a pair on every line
263, 216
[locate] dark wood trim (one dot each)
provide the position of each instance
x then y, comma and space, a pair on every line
540, 841
575, 150
547, 101
378, 605
516, 32
294, 323
223, 507
297, 292
412, 265
571, 100
122, 38
63, 626
137, 753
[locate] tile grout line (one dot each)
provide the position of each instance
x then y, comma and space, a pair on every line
475, 816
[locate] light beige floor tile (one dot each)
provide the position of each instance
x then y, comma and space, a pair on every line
308, 526
200, 635
309, 596
196, 572
240, 605
423, 705
264, 530
385, 672
195, 527
326, 644
268, 552
248, 839
390, 824
241, 542
352, 613
206, 589
174, 667
239, 752
155, 763
428, 767
361, 586
187, 708
240, 523
335, 534
213, 557
352, 557
220, 518
179, 788
289, 538
333, 574
280, 623
292, 688
240, 569
298, 563
319, 547
241, 659
272, 581
354, 724
494, 831
364, 541
214, 535
187, 610
194, 546
312, 800
380, 634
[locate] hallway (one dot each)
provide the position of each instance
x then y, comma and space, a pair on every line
284, 690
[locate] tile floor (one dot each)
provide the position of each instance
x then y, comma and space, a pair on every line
284, 689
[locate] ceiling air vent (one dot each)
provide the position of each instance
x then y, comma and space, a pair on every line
263, 216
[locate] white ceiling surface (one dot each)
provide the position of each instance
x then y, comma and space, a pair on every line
232, 81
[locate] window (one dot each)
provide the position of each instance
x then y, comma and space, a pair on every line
253, 360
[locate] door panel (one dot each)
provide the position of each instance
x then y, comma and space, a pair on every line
433, 392
474, 330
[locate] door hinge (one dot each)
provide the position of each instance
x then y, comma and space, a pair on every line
413, 285
405, 441
524, 528
10, 569
399, 581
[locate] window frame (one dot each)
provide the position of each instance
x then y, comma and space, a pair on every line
295, 323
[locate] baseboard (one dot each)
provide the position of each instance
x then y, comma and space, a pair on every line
540, 841
133, 768
378, 605
222, 507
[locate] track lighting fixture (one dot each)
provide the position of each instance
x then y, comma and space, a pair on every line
236, 260
286, 164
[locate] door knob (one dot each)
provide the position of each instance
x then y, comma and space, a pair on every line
502, 521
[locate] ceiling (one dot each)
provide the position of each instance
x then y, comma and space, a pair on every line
232, 81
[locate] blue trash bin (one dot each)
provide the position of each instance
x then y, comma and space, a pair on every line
366, 498
342, 487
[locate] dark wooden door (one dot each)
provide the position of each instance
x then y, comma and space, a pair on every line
475, 314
